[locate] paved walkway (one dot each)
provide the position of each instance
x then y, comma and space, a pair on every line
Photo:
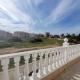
72, 73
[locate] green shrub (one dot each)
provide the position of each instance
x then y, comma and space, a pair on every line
15, 39
35, 40
5, 45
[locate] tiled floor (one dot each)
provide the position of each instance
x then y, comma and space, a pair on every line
72, 73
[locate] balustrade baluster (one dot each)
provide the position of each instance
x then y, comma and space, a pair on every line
68, 52
46, 62
4, 63
55, 60
51, 61
49, 69
65, 54
41, 64
17, 72
60, 57
57, 56
62, 54
34, 66
26, 69
53, 56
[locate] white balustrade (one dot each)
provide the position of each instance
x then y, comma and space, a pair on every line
34, 67
50, 59
17, 72
41, 65
4, 63
53, 57
46, 63
51, 62
26, 69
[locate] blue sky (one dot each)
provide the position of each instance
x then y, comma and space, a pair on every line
39, 16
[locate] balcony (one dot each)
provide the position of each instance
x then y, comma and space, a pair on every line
37, 64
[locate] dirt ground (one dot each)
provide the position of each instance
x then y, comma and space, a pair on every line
13, 50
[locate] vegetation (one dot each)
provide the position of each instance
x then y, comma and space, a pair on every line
73, 38
47, 34
5, 44
41, 40
15, 39
38, 42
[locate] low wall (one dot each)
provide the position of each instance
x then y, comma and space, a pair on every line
58, 72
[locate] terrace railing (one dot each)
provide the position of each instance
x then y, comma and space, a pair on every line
36, 64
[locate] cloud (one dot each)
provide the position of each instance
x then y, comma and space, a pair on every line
13, 12
38, 2
63, 9
8, 26
64, 29
27, 15
12, 28
16, 19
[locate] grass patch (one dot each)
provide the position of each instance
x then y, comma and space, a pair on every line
28, 44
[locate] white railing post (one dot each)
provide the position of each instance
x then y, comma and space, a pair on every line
56, 56
62, 54
34, 67
60, 57
26, 69
17, 72
49, 66
4, 63
65, 44
51, 61
70, 52
41, 64
46, 62
55, 60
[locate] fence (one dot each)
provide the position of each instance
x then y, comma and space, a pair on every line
37, 63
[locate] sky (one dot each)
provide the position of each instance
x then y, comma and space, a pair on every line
40, 16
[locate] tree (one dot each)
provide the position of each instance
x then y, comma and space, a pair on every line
78, 38
56, 36
73, 36
62, 36
47, 34
15, 39
40, 35
68, 35
35, 40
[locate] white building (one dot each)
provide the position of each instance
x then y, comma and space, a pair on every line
5, 35
24, 35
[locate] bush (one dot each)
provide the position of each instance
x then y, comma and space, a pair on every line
36, 40
15, 39
72, 40
5, 45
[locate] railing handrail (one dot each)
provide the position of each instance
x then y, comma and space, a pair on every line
30, 52
26, 52
54, 58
